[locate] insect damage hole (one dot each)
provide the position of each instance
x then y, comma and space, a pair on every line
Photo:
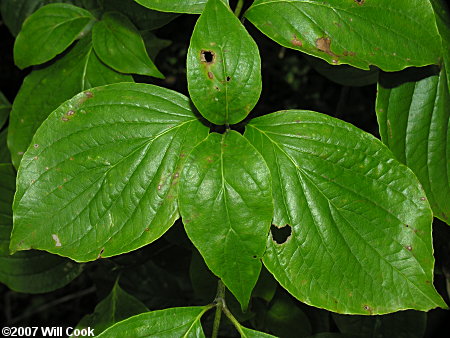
281, 235
207, 56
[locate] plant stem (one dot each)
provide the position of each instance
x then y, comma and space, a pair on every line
233, 320
220, 302
238, 9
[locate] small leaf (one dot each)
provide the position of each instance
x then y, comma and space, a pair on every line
33, 271
168, 323
5, 108
389, 34
101, 175
360, 224
414, 123
402, 324
226, 206
119, 44
223, 66
45, 89
176, 6
118, 306
48, 32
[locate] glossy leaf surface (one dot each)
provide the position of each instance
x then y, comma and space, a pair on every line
119, 44
117, 306
223, 66
389, 34
176, 6
48, 32
174, 322
45, 89
100, 177
360, 224
414, 123
249, 333
33, 271
226, 206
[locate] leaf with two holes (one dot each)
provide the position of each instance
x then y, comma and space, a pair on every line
226, 206
33, 271
117, 306
45, 89
174, 322
48, 32
389, 34
176, 6
223, 66
361, 225
414, 123
101, 175
119, 44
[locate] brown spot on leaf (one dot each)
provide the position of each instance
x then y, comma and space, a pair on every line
408, 247
423, 198
159, 186
211, 75
296, 41
360, 2
147, 229
35, 157
70, 113
207, 56
389, 128
100, 254
368, 308
88, 94
324, 45
64, 119
36, 145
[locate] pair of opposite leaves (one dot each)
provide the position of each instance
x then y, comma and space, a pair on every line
107, 170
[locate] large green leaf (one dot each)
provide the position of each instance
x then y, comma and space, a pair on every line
119, 44
389, 34
414, 123
5, 108
174, 322
14, 12
360, 225
402, 324
226, 206
100, 177
248, 333
223, 66
176, 6
45, 89
34, 271
48, 32
117, 306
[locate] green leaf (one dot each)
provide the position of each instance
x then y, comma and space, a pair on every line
48, 32
359, 223
5, 108
118, 43
389, 34
226, 206
45, 89
174, 322
118, 306
442, 12
223, 66
143, 18
14, 12
100, 177
248, 333
414, 123
34, 271
403, 324
176, 6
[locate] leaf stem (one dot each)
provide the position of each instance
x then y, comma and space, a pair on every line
233, 320
238, 9
220, 303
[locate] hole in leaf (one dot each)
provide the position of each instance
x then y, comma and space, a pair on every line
281, 234
228, 79
207, 56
